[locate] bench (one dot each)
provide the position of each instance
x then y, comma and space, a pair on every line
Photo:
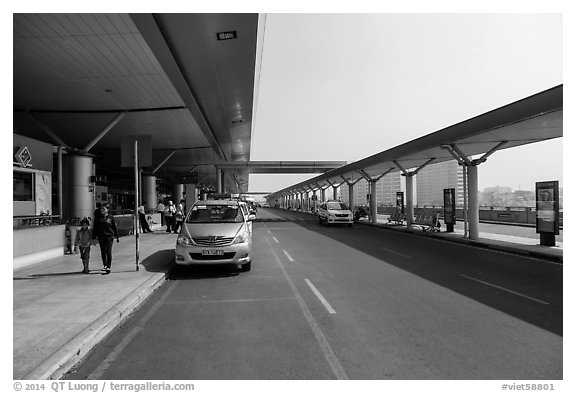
428, 223
397, 218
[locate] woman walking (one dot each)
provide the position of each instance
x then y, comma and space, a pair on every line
105, 231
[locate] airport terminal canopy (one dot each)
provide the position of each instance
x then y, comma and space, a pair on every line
85, 81
532, 119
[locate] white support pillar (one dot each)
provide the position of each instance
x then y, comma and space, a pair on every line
80, 195
409, 198
149, 196
314, 200
373, 204
351, 201
191, 195
473, 204
219, 181
178, 194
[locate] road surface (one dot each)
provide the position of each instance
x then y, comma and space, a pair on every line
345, 303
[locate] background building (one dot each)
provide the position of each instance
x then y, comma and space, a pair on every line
386, 189
433, 179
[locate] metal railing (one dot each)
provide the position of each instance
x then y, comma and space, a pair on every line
20, 222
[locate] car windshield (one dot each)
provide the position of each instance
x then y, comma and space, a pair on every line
337, 206
214, 214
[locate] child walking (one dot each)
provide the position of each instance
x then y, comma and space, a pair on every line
84, 241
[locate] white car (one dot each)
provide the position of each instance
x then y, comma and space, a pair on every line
216, 232
334, 212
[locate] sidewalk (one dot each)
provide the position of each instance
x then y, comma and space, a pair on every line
59, 314
498, 241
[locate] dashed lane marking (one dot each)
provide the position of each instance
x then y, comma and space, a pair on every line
325, 346
505, 289
288, 256
320, 297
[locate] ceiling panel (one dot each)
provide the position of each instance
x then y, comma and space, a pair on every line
76, 72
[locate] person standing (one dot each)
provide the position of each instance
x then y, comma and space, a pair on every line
169, 214
160, 209
179, 216
83, 241
105, 230
142, 217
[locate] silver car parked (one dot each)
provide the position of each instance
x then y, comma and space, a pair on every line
216, 232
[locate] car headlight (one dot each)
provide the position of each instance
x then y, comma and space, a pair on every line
184, 239
242, 237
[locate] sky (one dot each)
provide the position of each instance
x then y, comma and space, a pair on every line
342, 87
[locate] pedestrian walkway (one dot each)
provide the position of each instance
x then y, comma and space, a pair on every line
509, 238
60, 313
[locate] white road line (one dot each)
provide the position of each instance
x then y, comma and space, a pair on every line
395, 252
112, 356
288, 256
504, 289
274, 238
327, 350
269, 231
320, 297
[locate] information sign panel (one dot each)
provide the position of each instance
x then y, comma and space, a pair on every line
547, 207
449, 206
400, 201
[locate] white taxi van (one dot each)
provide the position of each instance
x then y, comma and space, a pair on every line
216, 232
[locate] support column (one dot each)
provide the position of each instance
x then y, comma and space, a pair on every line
373, 204
60, 183
178, 193
473, 205
335, 193
80, 199
351, 201
409, 198
314, 200
149, 195
218, 181
191, 195
322, 194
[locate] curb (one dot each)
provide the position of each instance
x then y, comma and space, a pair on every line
474, 243
60, 362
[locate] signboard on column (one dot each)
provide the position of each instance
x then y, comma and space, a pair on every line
400, 201
547, 208
450, 208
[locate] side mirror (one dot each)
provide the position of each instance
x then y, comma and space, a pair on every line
251, 217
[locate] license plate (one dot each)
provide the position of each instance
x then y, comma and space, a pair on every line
212, 252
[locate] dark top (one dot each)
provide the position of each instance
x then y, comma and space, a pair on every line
105, 226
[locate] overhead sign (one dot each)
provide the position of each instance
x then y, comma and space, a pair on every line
226, 35
547, 207
144, 150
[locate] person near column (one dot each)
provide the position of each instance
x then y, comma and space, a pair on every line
179, 216
142, 218
160, 209
105, 230
83, 241
169, 215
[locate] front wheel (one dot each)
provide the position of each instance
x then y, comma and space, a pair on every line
246, 267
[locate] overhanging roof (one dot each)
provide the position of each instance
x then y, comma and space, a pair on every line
533, 119
169, 74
